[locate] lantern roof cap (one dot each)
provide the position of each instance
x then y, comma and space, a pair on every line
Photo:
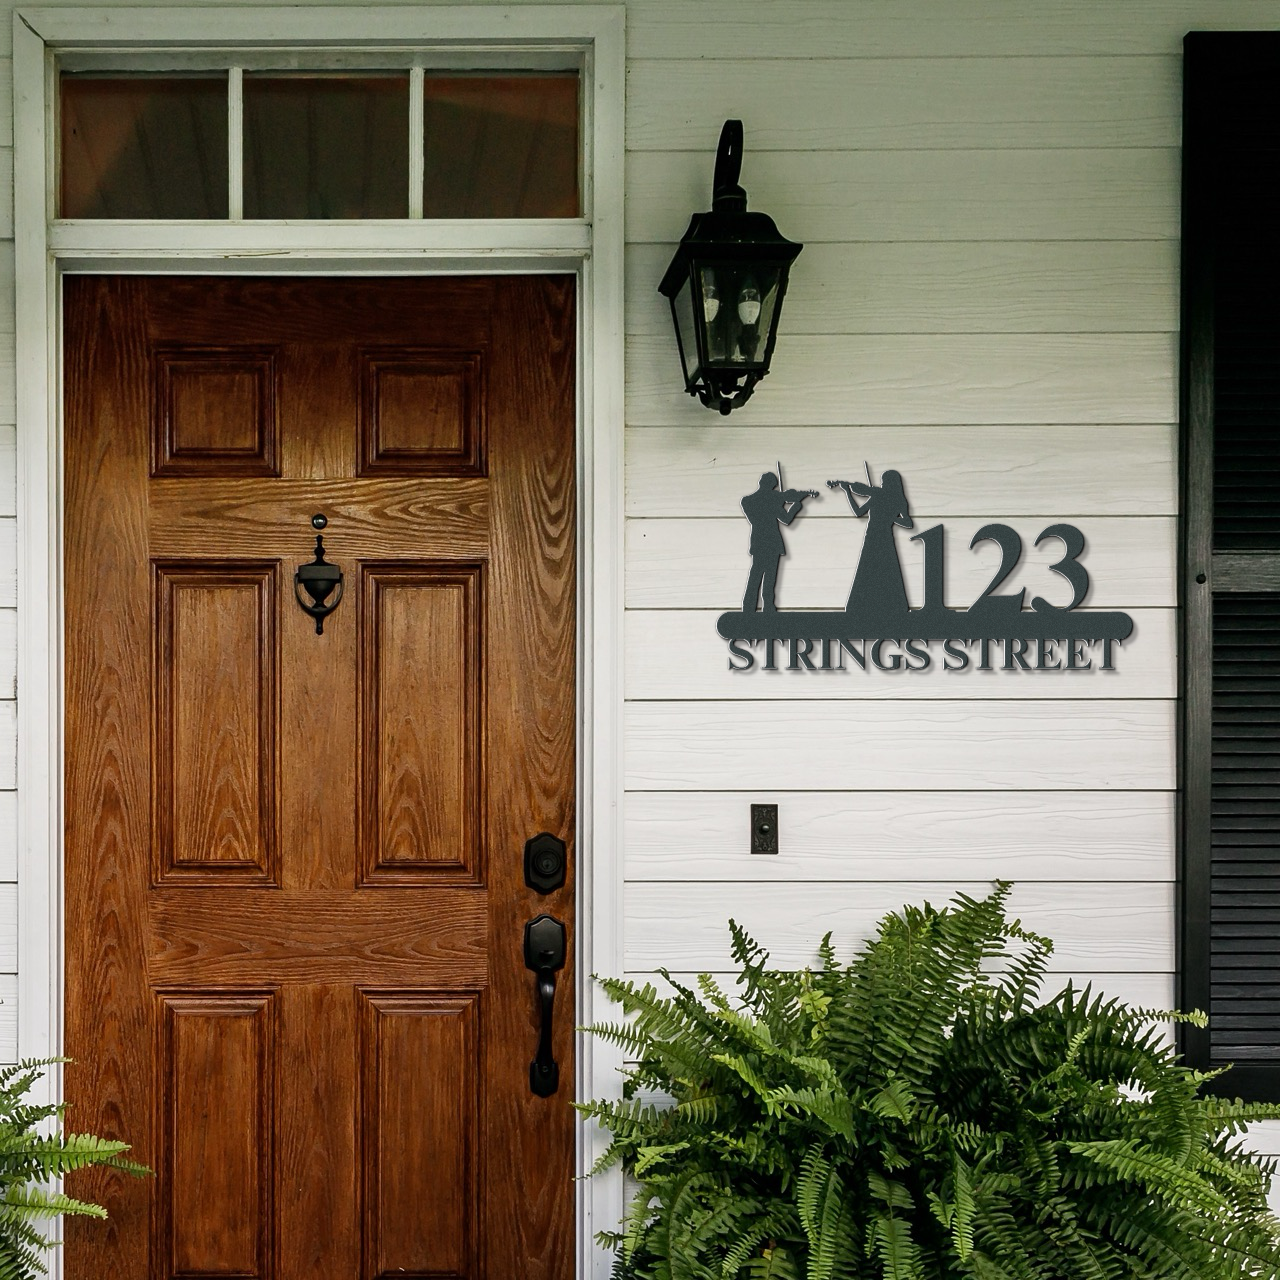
727, 237
728, 233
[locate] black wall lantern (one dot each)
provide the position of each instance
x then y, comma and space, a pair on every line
726, 285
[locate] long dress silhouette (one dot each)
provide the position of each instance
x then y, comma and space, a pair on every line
878, 596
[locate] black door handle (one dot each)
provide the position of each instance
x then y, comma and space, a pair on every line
544, 954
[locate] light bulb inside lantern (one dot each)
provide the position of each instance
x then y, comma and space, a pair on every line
710, 299
749, 304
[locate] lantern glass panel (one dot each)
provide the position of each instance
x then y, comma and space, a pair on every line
739, 302
686, 331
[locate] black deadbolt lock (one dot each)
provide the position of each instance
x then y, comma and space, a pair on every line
544, 863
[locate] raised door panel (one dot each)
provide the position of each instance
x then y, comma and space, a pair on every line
216, 732
419, 1149
216, 1087
215, 411
422, 654
422, 412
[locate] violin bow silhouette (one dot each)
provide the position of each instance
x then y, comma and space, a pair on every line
783, 490
854, 486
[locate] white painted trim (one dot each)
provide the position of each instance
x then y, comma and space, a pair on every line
446, 27
235, 143
568, 26
288, 58
600, 550
592, 246
417, 143
568, 239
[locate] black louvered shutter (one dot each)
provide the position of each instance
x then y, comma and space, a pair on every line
1229, 959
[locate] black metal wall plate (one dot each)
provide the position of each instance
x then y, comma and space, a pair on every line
764, 828
545, 863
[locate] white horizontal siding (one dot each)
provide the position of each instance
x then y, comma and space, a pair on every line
8, 1017
8, 940
1265, 1136
689, 564
8, 889
8, 359
1108, 286
8, 766
7, 317
805, 29
840, 104
8, 654
6, 186
915, 836
901, 745
8, 563
951, 470
8, 363
849, 196
1111, 927
906, 379
8, 929
8, 837
8, 469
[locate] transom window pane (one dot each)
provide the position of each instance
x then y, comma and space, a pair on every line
326, 146
389, 142
500, 146
144, 147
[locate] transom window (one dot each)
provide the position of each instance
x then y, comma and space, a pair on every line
241, 143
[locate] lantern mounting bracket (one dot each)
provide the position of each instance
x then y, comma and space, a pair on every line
726, 194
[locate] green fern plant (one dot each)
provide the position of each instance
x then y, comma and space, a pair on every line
30, 1158
922, 1114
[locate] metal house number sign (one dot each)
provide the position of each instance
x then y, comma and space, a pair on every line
877, 629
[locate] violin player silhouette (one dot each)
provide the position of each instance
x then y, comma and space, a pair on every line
767, 509
878, 596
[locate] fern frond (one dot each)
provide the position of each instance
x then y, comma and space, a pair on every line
33, 1202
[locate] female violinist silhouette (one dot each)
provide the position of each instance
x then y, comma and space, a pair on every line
878, 595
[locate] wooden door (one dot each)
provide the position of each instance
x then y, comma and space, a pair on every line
295, 896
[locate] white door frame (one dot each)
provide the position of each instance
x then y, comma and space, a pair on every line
591, 247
